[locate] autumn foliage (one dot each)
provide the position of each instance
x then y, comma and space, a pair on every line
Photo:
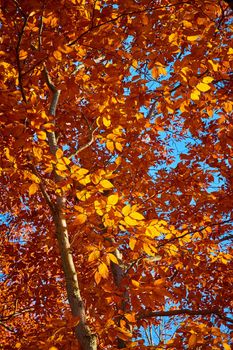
116, 140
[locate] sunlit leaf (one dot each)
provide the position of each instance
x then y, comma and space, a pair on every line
33, 189
112, 199
94, 255
103, 270
203, 87
106, 184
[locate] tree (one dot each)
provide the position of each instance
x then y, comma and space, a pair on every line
116, 173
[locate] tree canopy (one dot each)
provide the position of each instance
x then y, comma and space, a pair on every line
116, 140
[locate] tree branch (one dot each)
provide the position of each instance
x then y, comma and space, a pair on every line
215, 311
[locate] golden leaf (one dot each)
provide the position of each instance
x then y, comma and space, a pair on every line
119, 146
126, 210
132, 242
207, 80
106, 184
113, 258
147, 249
33, 189
61, 166
193, 37
106, 121
83, 195
226, 346
103, 270
152, 231
59, 153
94, 256
195, 95
130, 222
112, 199
57, 54
203, 87
137, 216
130, 317
135, 283
9, 157
110, 146
41, 135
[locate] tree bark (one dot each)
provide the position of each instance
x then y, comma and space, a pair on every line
86, 339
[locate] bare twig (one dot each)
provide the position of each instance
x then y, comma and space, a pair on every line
92, 139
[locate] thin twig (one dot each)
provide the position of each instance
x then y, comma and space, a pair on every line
92, 139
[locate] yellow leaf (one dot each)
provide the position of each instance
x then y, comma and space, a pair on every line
172, 37
118, 146
130, 317
137, 216
230, 51
187, 24
61, 166
59, 153
207, 80
192, 341
130, 222
41, 135
203, 87
53, 348
226, 346
132, 242
94, 256
214, 65
80, 219
9, 157
33, 189
126, 210
147, 249
195, 95
83, 171
152, 231
38, 153
18, 345
57, 54
135, 283
103, 270
113, 258
66, 160
23, 54
192, 37
112, 199
106, 184
106, 121
83, 195
110, 146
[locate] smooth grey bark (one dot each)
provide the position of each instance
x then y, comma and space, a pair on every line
85, 337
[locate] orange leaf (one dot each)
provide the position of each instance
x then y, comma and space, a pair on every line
94, 255
97, 277
33, 189
57, 54
192, 341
